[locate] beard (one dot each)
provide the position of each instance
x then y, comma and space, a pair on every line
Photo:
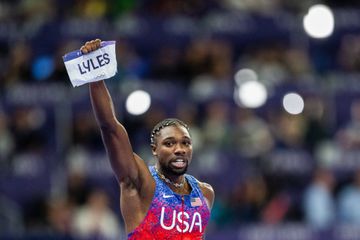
168, 170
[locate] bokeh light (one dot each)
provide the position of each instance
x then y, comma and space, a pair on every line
252, 94
319, 21
245, 74
138, 102
293, 103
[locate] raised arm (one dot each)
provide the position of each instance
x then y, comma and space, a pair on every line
124, 164
114, 135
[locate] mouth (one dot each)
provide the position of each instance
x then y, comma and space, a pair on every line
178, 163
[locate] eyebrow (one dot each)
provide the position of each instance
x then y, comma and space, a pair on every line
172, 138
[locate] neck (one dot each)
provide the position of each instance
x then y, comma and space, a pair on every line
176, 181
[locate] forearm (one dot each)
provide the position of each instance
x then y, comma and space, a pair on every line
102, 105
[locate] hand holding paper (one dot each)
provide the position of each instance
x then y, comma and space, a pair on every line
94, 61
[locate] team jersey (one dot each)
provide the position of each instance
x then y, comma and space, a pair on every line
173, 216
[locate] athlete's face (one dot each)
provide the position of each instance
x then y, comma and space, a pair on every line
173, 149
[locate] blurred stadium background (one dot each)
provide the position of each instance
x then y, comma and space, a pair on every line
270, 90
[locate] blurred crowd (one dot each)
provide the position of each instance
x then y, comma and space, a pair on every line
266, 165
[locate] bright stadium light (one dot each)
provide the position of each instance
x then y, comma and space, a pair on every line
319, 21
251, 94
138, 102
293, 103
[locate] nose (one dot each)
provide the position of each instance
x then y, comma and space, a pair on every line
179, 150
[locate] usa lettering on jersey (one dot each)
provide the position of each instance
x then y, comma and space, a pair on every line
181, 221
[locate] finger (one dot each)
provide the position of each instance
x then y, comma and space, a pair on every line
88, 46
83, 50
93, 45
98, 43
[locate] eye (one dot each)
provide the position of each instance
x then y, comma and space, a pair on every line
168, 143
187, 143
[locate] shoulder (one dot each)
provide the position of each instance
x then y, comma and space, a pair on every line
208, 192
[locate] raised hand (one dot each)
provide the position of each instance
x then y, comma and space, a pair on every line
90, 46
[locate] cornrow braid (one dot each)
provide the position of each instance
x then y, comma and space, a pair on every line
165, 123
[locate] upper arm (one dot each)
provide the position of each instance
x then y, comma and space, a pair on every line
120, 153
128, 167
208, 193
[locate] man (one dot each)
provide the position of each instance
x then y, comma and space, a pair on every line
160, 202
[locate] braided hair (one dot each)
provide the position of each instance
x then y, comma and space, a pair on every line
165, 123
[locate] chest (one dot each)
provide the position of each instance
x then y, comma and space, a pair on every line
186, 214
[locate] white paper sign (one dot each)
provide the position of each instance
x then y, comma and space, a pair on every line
94, 66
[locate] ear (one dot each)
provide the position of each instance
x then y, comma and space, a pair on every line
153, 149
